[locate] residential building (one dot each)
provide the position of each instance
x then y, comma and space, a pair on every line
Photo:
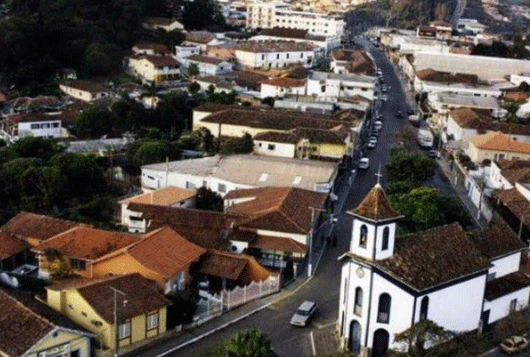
202, 39
14, 252
443, 103
85, 90
224, 84
31, 329
36, 228
168, 196
141, 310
101, 147
472, 25
186, 51
304, 104
276, 54
352, 61
497, 146
514, 206
208, 66
279, 87
45, 125
154, 69
331, 86
389, 283
266, 15
162, 255
151, 49
505, 174
224, 174
161, 23
328, 43
444, 29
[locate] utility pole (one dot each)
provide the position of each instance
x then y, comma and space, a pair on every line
311, 232
116, 332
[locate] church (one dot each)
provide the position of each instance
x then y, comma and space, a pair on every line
460, 280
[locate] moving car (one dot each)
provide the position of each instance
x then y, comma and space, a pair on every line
304, 313
372, 142
514, 344
364, 163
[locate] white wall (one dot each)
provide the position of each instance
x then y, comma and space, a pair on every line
186, 51
300, 238
268, 90
277, 149
81, 94
45, 129
268, 60
505, 265
500, 307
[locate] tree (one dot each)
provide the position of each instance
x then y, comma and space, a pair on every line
405, 165
174, 112
208, 200
243, 145
268, 101
154, 151
249, 343
193, 70
37, 147
94, 122
201, 14
194, 87
206, 139
421, 332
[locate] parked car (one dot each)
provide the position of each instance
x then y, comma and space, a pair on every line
410, 112
514, 344
364, 163
383, 88
375, 132
433, 154
304, 313
372, 142
378, 125
384, 97
400, 115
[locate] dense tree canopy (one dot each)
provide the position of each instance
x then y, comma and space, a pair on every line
249, 343
405, 165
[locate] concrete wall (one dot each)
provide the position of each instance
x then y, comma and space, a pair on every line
506, 265
500, 307
268, 148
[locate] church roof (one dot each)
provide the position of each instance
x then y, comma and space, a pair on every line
438, 255
375, 206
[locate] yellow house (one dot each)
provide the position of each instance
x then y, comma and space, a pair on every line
497, 146
31, 329
141, 308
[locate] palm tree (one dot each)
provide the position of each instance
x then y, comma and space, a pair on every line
249, 343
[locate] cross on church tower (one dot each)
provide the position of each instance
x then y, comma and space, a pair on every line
379, 174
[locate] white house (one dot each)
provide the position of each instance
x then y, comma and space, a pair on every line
208, 66
186, 51
153, 49
276, 54
352, 61
518, 78
331, 86
203, 39
47, 125
224, 174
461, 281
471, 25
85, 90
155, 23
279, 87
155, 69
329, 43
274, 14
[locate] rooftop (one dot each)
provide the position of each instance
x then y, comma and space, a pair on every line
321, 76
375, 206
236, 267
285, 82
497, 141
277, 137
156, 47
431, 75
452, 99
496, 240
159, 61
279, 244
166, 196
514, 201
284, 32
275, 46
87, 243
514, 170
204, 59
11, 245
87, 86
474, 119
505, 285
37, 226
200, 37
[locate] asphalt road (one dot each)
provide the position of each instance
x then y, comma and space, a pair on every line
324, 287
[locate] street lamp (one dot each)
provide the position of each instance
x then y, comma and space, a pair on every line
116, 335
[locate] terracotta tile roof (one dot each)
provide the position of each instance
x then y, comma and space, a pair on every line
275, 46
87, 243
269, 243
435, 256
142, 297
273, 120
11, 245
505, 285
239, 268
160, 61
375, 206
496, 240
87, 86
200, 37
23, 327
166, 196
497, 141
204, 59
285, 32
277, 137
33, 117
156, 47
514, 201
282, 209
431, 75
165, 252
319, 135
359, 61
482, 122
31, 225
285, 82
160, 21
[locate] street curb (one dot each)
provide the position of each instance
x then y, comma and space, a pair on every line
229, 323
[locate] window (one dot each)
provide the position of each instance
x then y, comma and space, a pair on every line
358, 307
34, 126
278, 56
424, 308
345, 290
262, 57
364, 236
78, 264
287, 56
221, 188
55, 125
190, 185
263, 177
383, 314
152, 321
513, 305
491, 276
135, 219
124, 330
302, 55
386, 234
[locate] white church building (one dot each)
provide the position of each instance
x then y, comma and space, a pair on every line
460, 280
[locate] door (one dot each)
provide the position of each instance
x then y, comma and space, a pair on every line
380, 344
484, 321
355, 337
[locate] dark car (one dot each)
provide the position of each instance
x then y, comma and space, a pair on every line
400, 115
410, 112
433, 154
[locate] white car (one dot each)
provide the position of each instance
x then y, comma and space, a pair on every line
304, 313
378, 125
372, 142
384, 97
364, 163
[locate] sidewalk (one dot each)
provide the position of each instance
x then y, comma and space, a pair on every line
172, 341
458, 186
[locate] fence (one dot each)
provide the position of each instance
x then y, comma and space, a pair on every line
255, 290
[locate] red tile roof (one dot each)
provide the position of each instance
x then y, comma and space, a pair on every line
269, 243
505, 285
156, 47
31, 225
87, 243
11, 245
496, 240
285, 82
238, 268
87, 86
375, 206
205, 59
166, 196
